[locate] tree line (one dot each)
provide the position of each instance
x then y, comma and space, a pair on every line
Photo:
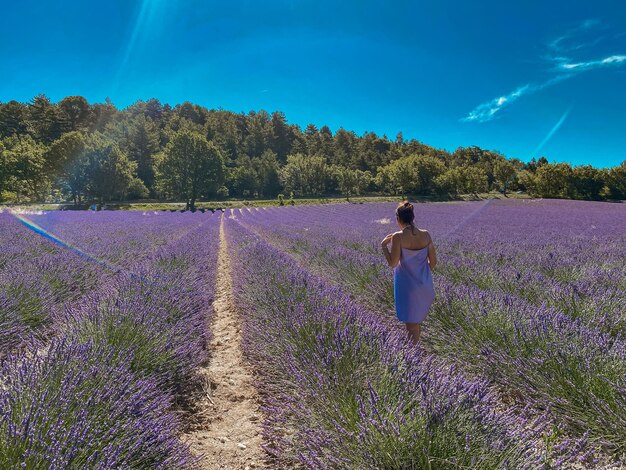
81, 152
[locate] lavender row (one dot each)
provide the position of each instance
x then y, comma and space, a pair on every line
549, 235
37, 279
78, 406
536, 354
100, 395
112, 236
563, 253
159, 312
598, 296
344, 390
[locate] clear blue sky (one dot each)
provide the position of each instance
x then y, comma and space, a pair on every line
525, 78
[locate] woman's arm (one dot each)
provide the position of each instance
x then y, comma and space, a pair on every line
392, 258
432, 255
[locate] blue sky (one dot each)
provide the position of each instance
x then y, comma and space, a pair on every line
527, 78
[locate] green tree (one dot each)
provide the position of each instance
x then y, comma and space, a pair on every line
312, 138
101, 115
267, 170
281, 136
68, 159
588, 182
259, 130
554, 180
474, 180
62, 152
76, 111
192, 112
306, 174
462, 179
352, 182
137, 190
224, 129
45, 119
504, 173
190, 167
143, 145
256, 146
616, 182
22, 167
13, 119
345, 147
415, 174
109, 172
450, 182
534, 164
75, 178
154, 110
528, 182
428, 169
398, 177
5, 169
372, 152
326, 143
244, 180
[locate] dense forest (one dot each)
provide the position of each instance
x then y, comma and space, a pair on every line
81, 152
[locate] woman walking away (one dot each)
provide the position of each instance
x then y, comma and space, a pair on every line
412, 258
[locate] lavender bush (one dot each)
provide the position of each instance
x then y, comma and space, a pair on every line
36, 279
100, 393
160, 314
559, 348
343, 390
78, 407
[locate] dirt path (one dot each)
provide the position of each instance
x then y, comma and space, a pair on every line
227, 433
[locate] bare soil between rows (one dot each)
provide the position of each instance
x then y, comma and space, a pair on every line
225, 431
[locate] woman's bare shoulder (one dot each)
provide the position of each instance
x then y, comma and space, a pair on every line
425, 234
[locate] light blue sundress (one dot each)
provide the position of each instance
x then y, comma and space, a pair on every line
413, 289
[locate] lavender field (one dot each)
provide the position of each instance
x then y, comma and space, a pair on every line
105, 320
103, 326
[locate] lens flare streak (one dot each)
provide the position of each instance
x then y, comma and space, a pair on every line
29, 224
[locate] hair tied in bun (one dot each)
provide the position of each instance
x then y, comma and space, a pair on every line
404, 212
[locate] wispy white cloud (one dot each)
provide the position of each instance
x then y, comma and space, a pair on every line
563, 43
487, 111
591, 64
565, 68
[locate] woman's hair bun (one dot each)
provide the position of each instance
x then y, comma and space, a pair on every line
404, 212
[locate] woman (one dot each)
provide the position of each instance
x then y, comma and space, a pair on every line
413, 257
